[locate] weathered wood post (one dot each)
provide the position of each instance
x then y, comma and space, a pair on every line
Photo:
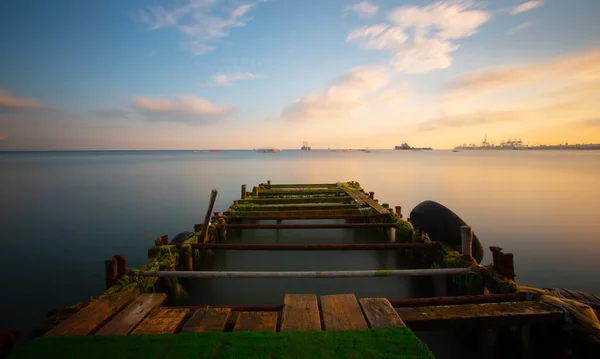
111, 272
244, 191
162, 240
255, 191
466, 236
269, 182
197, 228
385, 205
399, 211
497, 262
247, 194
391, 233
376, 200
121, 265
185, 257
204, 233
508, 265
372, 195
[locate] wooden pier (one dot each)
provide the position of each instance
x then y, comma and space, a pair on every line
125, 313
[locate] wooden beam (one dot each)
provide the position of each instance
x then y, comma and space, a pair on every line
162, 321
207, 320
94, 315
302, 212
376, 206
133, 314
380, 313
294, 207
342, 312
300, 192
354, 196
300, 312
302, 185
474, 315
256, 322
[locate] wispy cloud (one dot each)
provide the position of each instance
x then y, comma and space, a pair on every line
227, 79
201, 22
592, 122
355, 90
421, 38
526, 6
191, 110
521, 26
11, 103
363, 9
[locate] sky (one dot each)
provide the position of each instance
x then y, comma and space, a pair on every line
245, 74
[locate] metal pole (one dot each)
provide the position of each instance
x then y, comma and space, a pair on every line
213, 198
315, 247
323, 216
309, 225
309, 274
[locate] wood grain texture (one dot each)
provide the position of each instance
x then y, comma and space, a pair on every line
127, 319
380, 313
162, 321
342, 312
379, 208
256, 322
354, 196
94, 315
207, 320
300, 312
469, 315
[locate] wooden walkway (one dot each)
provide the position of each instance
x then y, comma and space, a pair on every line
125, 313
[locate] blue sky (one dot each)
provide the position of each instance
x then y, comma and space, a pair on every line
247, 74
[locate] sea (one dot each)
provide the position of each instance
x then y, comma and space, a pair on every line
63, 213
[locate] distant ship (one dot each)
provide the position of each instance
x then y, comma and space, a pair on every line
305, 146
405, 146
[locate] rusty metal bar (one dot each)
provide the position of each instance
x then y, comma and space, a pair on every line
305, 185
291, 217
316, 247
296, 200
457, 300
308, 274
308, 225
301, 212
295, 207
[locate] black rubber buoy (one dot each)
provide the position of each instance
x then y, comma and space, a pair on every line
442, 225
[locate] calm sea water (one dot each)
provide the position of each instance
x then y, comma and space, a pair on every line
63, 213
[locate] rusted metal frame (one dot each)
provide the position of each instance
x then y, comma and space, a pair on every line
299, 217
293, 207
308, 225
303, 185
299, 192
457, 300
308, 274
296, 200
302, 212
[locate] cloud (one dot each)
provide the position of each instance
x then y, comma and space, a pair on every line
191, 110
201, 22
11, 104
364, 9
529, 5
579, 67
355, 90
421, 38
2, 137
112, 113
227, 79
521, 26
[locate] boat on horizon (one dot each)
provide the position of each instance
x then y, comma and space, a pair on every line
305, 146
405, 146
267, 150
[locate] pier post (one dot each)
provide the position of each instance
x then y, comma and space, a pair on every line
235, 203
508, 266
111, 272
162, 240
466, 236
385, 205
372, 195
391, 234
269, 182
399, 211
185, 257
121, 265
197, 228
255, 191
204, 233
244, 191
247, 194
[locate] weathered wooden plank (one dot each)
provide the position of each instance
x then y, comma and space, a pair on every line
380, 313
296, 200
302, 185
256, 322
162, 321
300, 312
354, 196
379, 208
299, 192
127, 319
207, 320
90, 318
470, 315
342, 312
